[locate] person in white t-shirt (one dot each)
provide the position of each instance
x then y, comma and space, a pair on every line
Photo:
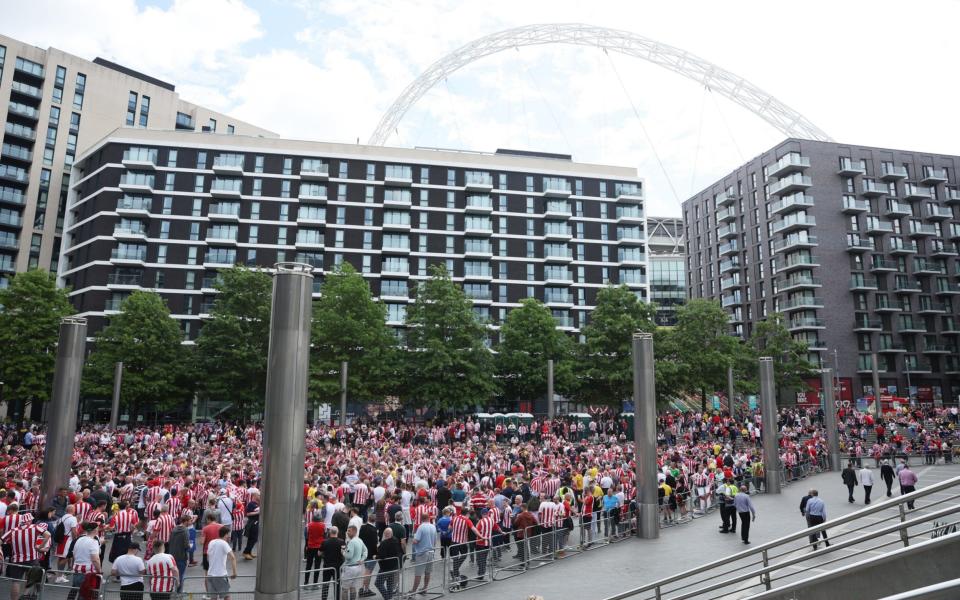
86, 554
218, 552
130, 568
70, 525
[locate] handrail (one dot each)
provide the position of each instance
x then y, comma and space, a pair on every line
762, 550
945, 589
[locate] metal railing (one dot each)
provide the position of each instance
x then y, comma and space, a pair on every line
759, 568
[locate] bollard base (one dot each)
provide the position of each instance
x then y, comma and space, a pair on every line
648, 521
835, 463
294, 595
773, 483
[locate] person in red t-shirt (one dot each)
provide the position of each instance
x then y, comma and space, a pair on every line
315, 534
210, 532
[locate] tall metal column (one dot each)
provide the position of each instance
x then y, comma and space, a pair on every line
768, 414
730, 390
343, 393
62, 416
876, 384
550, 408
830, 419
645, 435
117, 382
285, 415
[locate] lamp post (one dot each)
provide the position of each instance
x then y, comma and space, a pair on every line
551, 411
645, 435
768, 416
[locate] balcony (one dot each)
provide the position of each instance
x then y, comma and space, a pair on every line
945, 288
855, 243
864, 325
229, 165
134, 206
23, 110
478, 274
796, 261
481, 229
884, 266
793, 223
314, 171
848, 168
731, 247
388, 248
566, 323
727, 231
933, 212
558, 256
477, 181
852, 205
806, 323
910, 326
398, 176
938, 248
916, 192
921, 229
726, 214
480, 205
790, 183
872, 188
906, 286
140, 158
112, 305
892, 173
788, 164
478, 251
209, 285
950, 328
305, 216
559, 300
858, 284
932, 308
890, 348
316, 194
224, 212
725, 198
900, 246
553, 277
629, 195
124, 280
794, 241
884, 305
316, 242
556, 233
10, 219
633, 259
128, 257
631, 238
15, 152
924, 267
876, 226
933, 176
128, 233
225, 188
921, 366
729, 300
954, 233
796, 282
953, 196
729, 283
629, 213
131, 182
8, 241
729, 265
803, 302
20, 131
221, 239
396, 224
556, 188
897, 209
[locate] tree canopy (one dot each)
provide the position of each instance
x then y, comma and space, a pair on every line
528, 338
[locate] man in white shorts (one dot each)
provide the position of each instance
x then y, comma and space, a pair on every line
353, 557
218, 552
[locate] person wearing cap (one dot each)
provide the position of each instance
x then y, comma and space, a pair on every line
129, 568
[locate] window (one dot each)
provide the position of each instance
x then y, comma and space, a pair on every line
255, 210
167, 205
212, 125
79, 90
368, 240
162, 254
74, 122
342, 169
284, 212
287, 166
282, 235
285, 188
451, 177
368, 217
371, 171
529, 183
58, 83
192, 255
424, 174
257, 186
172, 158
144, 110
341, 215
198, 184
230, 130
197, 207
194, 231
164, 230
132, 109
451, 200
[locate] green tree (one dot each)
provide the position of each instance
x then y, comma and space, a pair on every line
349, 326
29, 326
695, 354
156, 368
528, 338
771, 337
447, 364
232, 346
604, 366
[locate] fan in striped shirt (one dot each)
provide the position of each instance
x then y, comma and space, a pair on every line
164, 575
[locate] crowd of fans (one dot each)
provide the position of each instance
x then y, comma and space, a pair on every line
183, 489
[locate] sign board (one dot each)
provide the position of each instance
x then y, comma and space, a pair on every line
752, 402
810, 398
323, 412
716, 402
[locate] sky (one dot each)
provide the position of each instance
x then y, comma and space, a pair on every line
867, 72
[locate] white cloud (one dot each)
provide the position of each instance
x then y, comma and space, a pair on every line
340, 63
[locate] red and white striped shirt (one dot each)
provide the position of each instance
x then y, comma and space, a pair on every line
23, 542
361, 494
548, 514
163, 527
14, 520
485, 529
161, 568
460, 527
125, 521
82, 510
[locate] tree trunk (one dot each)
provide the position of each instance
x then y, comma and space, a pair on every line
703, 400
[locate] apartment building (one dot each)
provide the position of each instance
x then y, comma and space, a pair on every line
166, 210
53, 106
856, 246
